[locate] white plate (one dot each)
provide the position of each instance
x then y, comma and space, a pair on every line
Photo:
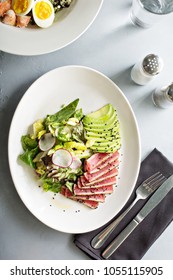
45, 96
70, 24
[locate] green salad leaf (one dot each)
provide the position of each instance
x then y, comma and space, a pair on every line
78, 114
64, 133
28, 143
49, 185
28, 156
64, 114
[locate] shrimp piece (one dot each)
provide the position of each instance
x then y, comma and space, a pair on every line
9, 18
22, 21
5, 5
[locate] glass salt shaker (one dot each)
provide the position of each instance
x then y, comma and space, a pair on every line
163, 97
147, 69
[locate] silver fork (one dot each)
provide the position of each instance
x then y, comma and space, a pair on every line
142, 192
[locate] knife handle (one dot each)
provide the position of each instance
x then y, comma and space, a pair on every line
114, 245
102, 236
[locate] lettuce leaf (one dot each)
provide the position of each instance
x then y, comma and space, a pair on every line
49, 185
64, 114
28, 156
28, 143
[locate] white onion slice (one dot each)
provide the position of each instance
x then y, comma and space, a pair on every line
46, 142
62, 158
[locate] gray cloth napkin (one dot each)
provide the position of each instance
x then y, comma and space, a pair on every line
141, 239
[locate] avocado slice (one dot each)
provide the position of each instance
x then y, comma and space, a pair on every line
100, 112
102, 129
106, 143
102, 124
101, 139
99, 116
99, 132
111, 149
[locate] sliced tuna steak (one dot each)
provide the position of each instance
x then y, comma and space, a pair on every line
95, 160
111, 160
93, 197
98, 184
63, 189
91, 204
91, 191
106, 172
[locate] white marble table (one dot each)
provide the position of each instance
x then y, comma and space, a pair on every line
111, 45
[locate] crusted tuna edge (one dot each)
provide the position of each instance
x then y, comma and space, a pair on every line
103, 173
89, 191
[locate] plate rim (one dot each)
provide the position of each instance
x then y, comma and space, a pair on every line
11, 127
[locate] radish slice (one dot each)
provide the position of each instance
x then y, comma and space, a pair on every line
46, 142
62, 158
76, 163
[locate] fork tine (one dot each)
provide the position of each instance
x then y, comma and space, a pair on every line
154, 181
152, 177
157, 183
159, 176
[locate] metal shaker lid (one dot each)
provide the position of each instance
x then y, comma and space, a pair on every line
152, 64
170, 92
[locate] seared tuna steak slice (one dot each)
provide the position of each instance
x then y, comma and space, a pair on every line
95, 160
91, 191
100, 183
91, 204
109, 161
106, 172
93, 197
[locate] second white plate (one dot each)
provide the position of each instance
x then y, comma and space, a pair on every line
70, 24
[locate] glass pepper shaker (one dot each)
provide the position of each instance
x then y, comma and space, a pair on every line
163, 97
147, 69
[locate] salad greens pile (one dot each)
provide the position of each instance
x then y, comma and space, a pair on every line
67, 129
58, 145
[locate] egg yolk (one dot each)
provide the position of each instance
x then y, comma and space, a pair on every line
43, 10
20, 6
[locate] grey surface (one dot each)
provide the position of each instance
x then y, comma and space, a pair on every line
111, 45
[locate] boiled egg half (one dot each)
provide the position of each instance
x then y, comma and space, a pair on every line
22, 7
43, 13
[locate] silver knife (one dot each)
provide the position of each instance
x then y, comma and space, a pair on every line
154, 200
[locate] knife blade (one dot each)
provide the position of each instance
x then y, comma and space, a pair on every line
154, 200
